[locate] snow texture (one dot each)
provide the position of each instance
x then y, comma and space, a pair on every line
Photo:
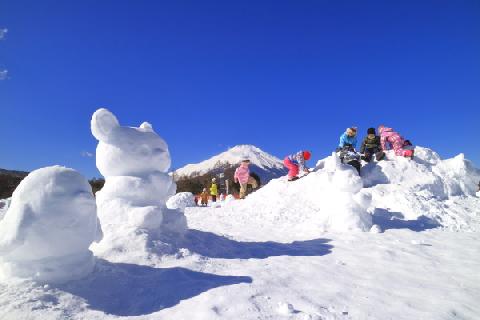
132, 203
48, 228
181, 200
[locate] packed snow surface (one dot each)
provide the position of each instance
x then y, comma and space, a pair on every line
50, 223
296, 250
132, 203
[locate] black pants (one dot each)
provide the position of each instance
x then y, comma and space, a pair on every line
369, 152
214, 198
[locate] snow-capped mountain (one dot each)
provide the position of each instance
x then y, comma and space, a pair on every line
265, 165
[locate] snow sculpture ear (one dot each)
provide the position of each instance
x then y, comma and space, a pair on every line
102, 124
146, 126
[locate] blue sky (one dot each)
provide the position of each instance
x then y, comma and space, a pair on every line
282, 75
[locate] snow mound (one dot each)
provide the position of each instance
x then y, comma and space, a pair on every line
425, 188
181, 200
329, 199
418, 194
132, 203
48, 228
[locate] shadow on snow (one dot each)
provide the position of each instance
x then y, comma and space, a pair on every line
394, 220
214, 246
131, 290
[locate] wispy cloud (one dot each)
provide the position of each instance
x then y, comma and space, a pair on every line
3, 32
3, 74
87, 154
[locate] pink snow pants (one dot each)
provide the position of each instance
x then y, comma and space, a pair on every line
292, 168
397, 144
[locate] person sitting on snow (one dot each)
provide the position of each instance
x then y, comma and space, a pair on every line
390, 139
214, 190
204, 197
371, 146
349, 137
296, 163
349, 156
242, 176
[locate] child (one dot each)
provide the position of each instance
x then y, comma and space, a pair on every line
349, 137
214, 190
242, 176
296, 163
371, 146
349, 156
390, 138
204, 197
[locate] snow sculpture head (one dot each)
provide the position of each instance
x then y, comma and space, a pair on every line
127, 151
49, 226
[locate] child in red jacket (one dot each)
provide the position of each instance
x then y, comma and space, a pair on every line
296, 163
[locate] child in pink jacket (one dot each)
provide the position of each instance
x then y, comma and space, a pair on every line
242, 176
396, 142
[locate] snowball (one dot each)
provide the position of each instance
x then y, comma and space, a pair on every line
49, 226
132, 203
181, 201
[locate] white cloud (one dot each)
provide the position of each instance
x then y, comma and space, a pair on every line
3, 74
87, 154
3, 32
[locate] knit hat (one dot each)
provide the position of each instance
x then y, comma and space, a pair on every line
371, 131
306, 155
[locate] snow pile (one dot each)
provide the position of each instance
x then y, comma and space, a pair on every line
427, 187
181, 200
131, 205
329, 199
48, 227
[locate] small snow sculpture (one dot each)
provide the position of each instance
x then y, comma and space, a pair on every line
48, 228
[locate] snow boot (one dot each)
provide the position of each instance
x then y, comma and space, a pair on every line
380, 155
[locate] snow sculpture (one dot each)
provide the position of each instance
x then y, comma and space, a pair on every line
131, 205
48, 228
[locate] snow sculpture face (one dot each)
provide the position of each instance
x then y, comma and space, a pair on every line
127, 151
52, 214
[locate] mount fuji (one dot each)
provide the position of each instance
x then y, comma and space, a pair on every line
265, 165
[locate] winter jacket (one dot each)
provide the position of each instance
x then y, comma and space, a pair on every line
346, 139
204, 196
214, 189
242, 174
371, 141
390, 138
298, 159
